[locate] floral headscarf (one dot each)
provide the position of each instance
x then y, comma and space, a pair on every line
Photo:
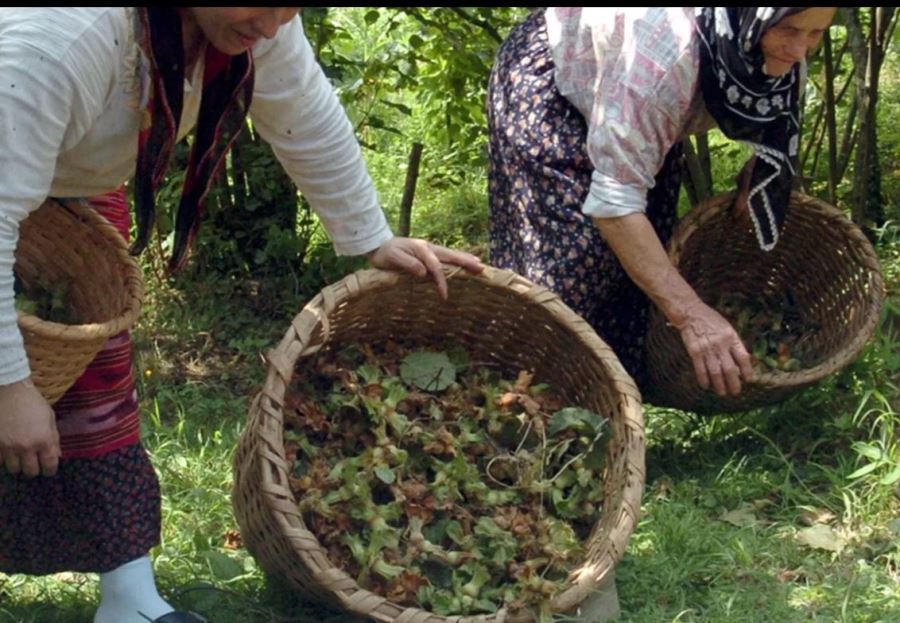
750, 106
225, 99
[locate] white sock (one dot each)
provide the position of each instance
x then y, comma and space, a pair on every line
128, 594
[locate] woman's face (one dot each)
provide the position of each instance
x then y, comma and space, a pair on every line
790, 40
233, 30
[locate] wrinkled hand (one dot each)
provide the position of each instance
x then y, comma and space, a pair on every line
29, 441
420, 257
719, 357
741, 205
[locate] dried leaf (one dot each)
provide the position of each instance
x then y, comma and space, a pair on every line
233, 540
742, 517
786, 576
821, 536
508, 400
812, 516
523, 381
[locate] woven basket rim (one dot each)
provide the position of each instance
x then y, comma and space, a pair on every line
134, 287
282, 359
777, 378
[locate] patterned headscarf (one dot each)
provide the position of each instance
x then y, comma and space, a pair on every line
750, 106
225, 99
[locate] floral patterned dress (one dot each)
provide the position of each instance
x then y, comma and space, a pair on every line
540, 176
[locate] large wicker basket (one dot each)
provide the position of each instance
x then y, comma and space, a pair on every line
70, 243
499, 317
822, 259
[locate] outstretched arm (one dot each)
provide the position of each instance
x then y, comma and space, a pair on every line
297, 112
719, 357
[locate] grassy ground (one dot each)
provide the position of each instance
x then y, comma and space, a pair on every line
753, 518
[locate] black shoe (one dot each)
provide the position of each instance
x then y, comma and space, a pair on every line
178, 616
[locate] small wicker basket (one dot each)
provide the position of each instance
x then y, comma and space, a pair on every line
824, 261
499, 317
71, 244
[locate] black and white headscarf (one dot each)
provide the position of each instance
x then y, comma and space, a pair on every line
752, 107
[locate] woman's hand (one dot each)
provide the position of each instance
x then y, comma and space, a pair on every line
719, 357
29, 441
420, 257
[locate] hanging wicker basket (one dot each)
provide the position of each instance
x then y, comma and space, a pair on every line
823, 261
497, 316
70, 244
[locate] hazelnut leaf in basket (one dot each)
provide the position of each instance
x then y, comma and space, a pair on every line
428, 371
574, 418
457, 501
385, 475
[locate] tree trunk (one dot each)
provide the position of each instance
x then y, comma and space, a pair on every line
409, 189
830, 122
868, 54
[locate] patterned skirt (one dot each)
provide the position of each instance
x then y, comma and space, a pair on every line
102, 509
537, 182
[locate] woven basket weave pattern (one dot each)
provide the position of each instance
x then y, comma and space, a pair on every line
501, 319
822, 259
71, 244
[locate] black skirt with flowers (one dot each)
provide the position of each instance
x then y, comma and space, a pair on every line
538, 181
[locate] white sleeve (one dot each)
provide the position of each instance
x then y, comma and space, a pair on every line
629, 135
297, 112
41, 109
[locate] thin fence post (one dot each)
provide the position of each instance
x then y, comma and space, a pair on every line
409, 189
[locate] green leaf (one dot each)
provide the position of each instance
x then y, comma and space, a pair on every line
455, 532
865, 469
459, 355
372, 17
438, 573
222, 566
403, 108
891, 477
868, 450
436, 532
385, 475
369, 373
577, 419
488, 528
380, 124
429, 371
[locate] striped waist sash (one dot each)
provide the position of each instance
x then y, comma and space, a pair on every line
99, 413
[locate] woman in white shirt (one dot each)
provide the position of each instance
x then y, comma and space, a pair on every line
587, 107
90, 97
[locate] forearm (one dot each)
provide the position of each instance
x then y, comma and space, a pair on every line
636, 245
296, 110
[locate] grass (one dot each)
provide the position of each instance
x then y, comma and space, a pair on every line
727, 534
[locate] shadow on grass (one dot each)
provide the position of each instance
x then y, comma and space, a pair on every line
272, 601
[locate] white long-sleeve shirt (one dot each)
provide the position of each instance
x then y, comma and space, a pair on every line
72, 86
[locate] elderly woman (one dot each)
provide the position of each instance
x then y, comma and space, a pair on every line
90, 97
587, 107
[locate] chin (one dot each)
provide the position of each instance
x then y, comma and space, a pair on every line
776, 69
776, 72
230, 50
